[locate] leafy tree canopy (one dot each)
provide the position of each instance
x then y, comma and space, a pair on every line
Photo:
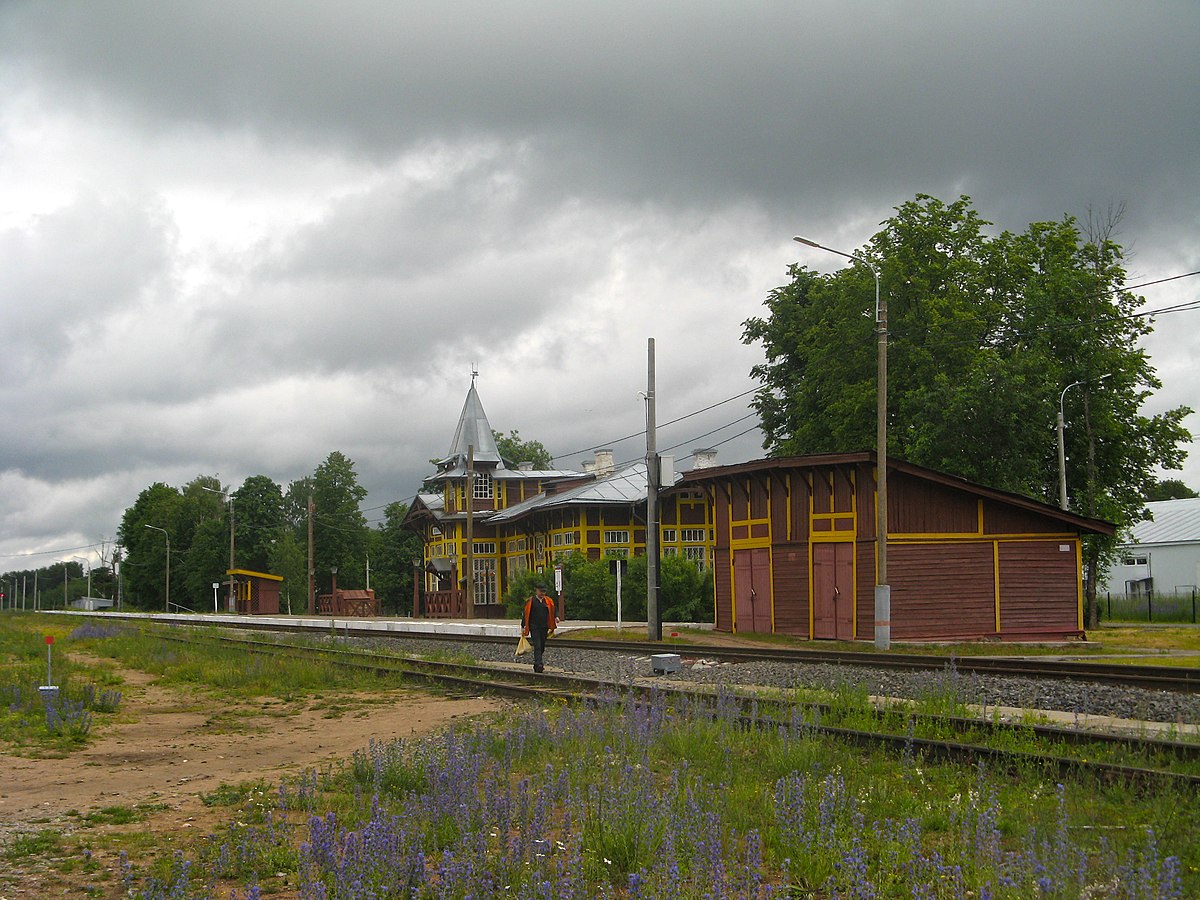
514, 450
1170, 489
340, 529
988, 337
393, 550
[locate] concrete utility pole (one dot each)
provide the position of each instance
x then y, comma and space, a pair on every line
1060, 427
166, 534
227, 495
653, 614
883, 590
232, 564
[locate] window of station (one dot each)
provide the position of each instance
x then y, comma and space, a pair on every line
485, 581
483, 486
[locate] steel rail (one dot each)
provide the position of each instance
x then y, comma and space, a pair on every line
1177, 679
573, 688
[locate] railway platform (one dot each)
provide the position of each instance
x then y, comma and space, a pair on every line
394, 625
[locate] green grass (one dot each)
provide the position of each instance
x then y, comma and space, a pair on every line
613, 758
86, 693
37, 843
122, 815
1126, 638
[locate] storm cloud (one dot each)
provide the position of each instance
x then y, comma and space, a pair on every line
237, 236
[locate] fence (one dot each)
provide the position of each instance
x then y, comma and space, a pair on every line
1179, 606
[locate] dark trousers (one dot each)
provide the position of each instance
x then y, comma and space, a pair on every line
537, 637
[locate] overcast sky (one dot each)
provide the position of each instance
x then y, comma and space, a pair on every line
237, 236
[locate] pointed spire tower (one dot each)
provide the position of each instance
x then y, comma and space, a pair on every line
473, 430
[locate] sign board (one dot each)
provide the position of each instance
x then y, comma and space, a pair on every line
558, 579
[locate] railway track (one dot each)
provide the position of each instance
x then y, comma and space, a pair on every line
1148, 677
1067, 753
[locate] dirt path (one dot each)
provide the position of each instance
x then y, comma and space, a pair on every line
169, 748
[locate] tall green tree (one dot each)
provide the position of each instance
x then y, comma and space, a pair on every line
199, 543
393, 549
158, 506
339, 527
288, 558
514, 450
258, 521
295, 503
986, 335
1170, 489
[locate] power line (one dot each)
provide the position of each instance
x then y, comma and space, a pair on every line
31, 553
662, 425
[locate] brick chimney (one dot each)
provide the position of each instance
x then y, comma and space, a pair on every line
604, 462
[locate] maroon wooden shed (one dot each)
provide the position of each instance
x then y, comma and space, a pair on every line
795, 553
255, 593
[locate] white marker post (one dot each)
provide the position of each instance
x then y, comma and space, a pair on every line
49, 690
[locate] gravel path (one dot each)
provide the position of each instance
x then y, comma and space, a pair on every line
1083, 698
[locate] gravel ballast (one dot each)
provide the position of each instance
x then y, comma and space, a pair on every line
1080, 697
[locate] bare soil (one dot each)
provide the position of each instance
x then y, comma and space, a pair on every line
166, 750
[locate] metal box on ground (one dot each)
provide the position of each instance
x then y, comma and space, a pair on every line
665, 663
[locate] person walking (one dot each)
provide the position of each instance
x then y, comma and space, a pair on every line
538, 623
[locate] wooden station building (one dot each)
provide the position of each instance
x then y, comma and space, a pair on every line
795, 553
482, 518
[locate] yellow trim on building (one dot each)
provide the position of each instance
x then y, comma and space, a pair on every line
250, 572
1079, 569
920, 538
996, 580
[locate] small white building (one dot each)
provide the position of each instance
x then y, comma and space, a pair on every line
91, 604
1163, 555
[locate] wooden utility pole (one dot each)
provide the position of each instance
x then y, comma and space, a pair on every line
232, 561
312, 572
469, 543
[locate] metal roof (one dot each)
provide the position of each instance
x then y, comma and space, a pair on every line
624, 486
1172, 522
500, 473
475, 431
432, 502
714, 473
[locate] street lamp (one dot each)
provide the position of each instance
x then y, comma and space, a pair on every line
883, 591
1062, 447
168, 577
228, 499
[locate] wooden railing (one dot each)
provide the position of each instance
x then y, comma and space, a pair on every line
446, 604
348, 603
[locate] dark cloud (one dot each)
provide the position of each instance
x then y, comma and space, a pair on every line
235, 237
